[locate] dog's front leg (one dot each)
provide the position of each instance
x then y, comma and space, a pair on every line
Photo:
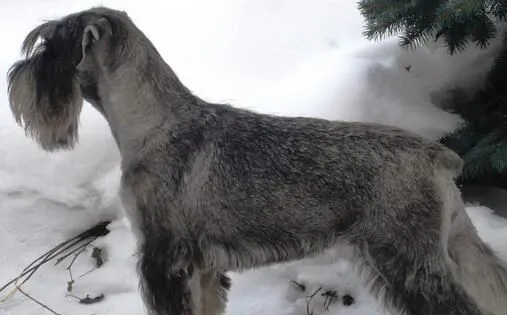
168, 287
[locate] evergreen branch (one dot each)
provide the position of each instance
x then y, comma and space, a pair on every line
499, 158
458, 22
498, 72
483, 30
498, 9
389, 22
480, 159
463, 140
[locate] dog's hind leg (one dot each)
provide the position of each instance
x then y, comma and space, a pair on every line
472, 262
409, 266
415, 281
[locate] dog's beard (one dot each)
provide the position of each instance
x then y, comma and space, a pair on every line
48, 113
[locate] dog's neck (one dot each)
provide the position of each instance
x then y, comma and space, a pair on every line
142, 104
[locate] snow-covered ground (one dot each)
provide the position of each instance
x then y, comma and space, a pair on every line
291, 57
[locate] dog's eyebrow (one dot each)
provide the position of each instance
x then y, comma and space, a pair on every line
42, 31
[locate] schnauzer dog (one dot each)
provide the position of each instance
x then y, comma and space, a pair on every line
210, 188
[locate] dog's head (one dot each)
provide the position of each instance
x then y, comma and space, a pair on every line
47, 87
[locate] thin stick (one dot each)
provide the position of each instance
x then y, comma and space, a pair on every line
302, 287
84, 274
75, 257
94, 232
70, 275
34, 300
73, 296
51, 251
32, 270
69, 268
25, 272
330, 297
310, 299
79, 250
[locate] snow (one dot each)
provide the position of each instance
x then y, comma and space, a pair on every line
285, 57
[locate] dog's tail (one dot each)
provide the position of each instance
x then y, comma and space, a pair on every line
445, 159
477, 267
473, 264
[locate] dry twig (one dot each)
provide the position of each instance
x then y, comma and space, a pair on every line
330, 296
310, 299
61, 251
97, 255
301, 286
84, 274
88, 299
36, 301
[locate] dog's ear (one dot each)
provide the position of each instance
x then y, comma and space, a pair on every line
94, 31
90, 35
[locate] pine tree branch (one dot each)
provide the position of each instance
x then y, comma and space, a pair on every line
457, 22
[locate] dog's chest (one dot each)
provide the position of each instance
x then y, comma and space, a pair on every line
132, 214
